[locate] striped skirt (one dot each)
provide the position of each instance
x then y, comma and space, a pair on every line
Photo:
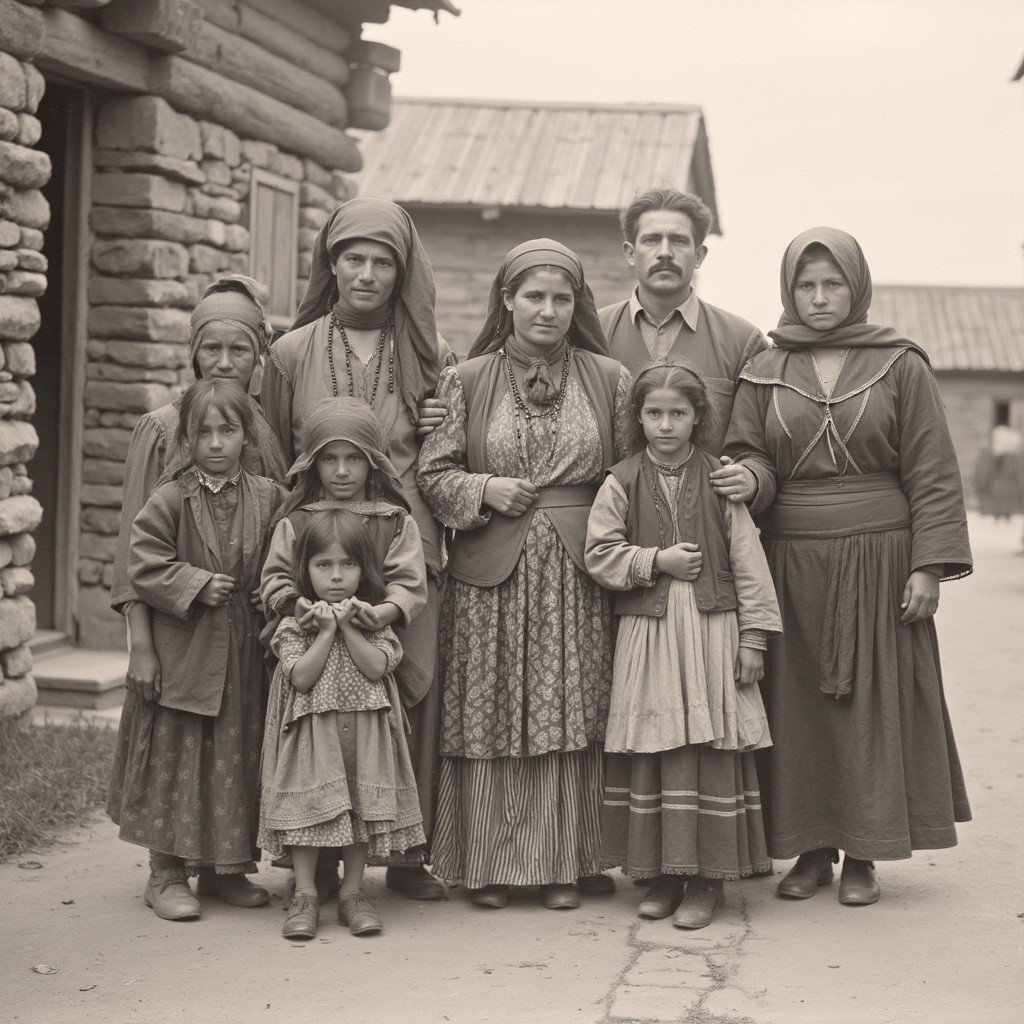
519, 821
693, 810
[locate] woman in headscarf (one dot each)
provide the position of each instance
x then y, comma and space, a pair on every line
229, 337
843, 427
366, 329
535, 416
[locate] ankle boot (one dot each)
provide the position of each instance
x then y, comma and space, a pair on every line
812, 870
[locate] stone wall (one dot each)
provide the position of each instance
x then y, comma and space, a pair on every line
24, 215
169, 214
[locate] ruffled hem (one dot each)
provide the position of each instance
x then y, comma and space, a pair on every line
346, 829
760, 870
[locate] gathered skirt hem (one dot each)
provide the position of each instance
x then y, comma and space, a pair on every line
761, 870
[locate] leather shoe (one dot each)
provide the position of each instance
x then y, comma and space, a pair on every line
560, 897
416, 882
812, 870
357, 912
303, 917
858, 886
493, 896
234, 889
662, 898
699, 904
171, 899
596, 885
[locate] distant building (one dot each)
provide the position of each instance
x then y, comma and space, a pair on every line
479, 177
975, 340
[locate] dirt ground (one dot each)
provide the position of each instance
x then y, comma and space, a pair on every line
943, 945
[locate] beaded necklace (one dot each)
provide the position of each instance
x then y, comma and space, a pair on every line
385, 332
521, 410
651, 471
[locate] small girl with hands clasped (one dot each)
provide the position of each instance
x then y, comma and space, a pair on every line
696, 605
186, 777
336, 766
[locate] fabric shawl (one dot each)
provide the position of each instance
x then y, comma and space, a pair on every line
584, 331
417, 357
351, 420
854, 332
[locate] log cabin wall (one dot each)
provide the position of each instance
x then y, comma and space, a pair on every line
189, 99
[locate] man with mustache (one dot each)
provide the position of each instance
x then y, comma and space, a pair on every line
663, 320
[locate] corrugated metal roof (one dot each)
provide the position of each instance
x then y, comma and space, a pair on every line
960, 328
535, 155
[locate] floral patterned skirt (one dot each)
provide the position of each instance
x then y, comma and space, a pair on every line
526, 665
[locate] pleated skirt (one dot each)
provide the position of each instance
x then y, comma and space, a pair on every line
519, 821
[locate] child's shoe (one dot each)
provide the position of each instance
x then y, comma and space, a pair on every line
303, 917
358, 914
699, 904
171, 899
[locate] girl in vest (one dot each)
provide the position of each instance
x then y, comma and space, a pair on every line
336, 767
186, 781
696, 605
345, 466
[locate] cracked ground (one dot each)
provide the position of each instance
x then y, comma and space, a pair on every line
943, 945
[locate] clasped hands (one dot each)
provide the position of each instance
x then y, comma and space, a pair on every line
315, 615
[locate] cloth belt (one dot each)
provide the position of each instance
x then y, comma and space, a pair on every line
569, 496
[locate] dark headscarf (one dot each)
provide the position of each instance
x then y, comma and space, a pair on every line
584, 331
344, 419
376, 220
854, 331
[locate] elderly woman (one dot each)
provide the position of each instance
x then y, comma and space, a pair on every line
366, 329
230, 334
533, 421
842, 425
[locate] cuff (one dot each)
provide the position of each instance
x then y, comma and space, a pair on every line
642, 572
183, 606
755, 639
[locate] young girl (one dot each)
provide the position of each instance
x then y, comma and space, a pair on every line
345, 466
696, 603
186, 778
336, 767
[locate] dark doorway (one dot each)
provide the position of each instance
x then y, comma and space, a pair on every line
63, 116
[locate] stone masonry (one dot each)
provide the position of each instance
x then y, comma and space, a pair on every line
169, 209
24, 215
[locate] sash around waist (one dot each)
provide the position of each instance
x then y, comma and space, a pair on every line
837, 507
485, 557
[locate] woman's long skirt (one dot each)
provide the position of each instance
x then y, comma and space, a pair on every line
875, 774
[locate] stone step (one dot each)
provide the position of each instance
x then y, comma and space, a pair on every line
73, 677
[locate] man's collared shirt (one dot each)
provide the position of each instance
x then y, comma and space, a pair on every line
660, 337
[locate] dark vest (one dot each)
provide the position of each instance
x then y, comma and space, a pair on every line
700, 520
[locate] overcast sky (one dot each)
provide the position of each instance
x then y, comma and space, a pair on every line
896, 121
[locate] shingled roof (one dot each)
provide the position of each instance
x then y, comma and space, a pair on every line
495, 154
961, 328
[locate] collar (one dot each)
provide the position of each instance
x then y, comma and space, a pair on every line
666, 468
689, 309
216, 484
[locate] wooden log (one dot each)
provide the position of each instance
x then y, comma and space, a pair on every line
244, 61
82, 51
277, 38
313, 24
22, 30
204, 93
354, 13
170, 25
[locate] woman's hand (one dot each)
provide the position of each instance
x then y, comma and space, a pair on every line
143, 676
217, 591
372, 617
683, 561
733, 481
920, 596
255, 600
509, 495
749, 666
324, 618
431, 413
304, 614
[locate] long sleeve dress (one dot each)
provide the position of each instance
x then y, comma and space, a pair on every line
526, 664
863, 488
681, 793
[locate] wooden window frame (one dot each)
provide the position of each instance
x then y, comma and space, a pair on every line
281, 320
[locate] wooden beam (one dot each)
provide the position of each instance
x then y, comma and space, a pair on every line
170, 25
277, 38
21, 30
205, 94
244, 61
313, 24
